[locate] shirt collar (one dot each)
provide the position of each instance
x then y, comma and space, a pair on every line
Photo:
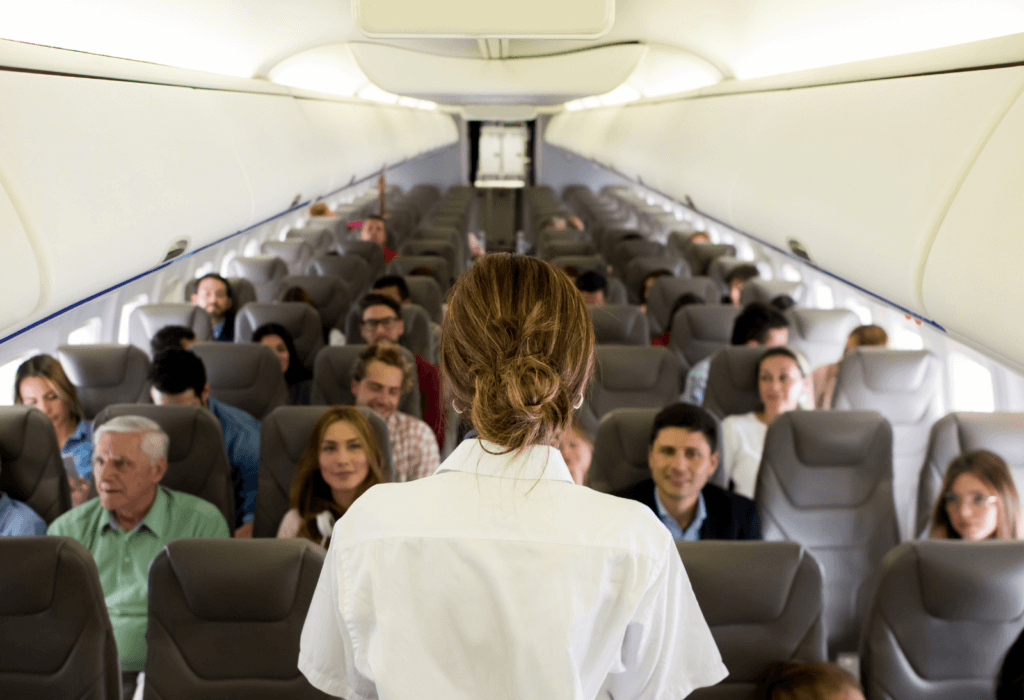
476, 456
155, 521
698, 518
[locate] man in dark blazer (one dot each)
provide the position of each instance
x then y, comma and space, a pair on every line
682, 455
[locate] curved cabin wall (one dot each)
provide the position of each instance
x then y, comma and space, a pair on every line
99, 177
862, 174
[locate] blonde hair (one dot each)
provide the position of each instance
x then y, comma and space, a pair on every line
517, 349
990, 468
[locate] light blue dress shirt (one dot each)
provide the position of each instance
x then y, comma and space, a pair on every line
690, 534
18, 519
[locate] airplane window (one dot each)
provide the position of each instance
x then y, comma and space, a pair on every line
766, 271
972, 384
823, 298
744, 251
126, 312
903, 338
862, 310
86, 334
7, 373
251, 248
790, 273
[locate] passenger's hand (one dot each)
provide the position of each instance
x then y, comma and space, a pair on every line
79, 490
244, 531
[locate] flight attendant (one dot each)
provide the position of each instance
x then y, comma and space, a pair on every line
498, 577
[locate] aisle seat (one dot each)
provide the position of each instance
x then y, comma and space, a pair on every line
106, 373
638, 269
330, 295
732, 384
701, 255
295, 253
31, 467
352, 270
624, 252
820, 334
630, 377
369, 251
263, 271
244, 375
701, 330
438, 266
665, 292
145, 321
620, 324
299, 318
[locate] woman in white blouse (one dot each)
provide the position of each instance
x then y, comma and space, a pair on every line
781, 379
498, 577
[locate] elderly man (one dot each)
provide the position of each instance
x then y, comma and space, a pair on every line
213, 293
130, 522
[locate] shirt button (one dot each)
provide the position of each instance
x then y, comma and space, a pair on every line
126, 560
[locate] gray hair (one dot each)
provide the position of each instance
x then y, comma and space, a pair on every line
155, 442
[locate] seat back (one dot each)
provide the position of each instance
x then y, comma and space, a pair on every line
330, 295
620, 449
434, 247
763, 602
630, 377
106, 373
296, 254
352, 270
957, 433
904, 386
299, 318
720, 268
764, 291
826, 482
57, 639
665, 292
699, 331
263, 271
616, 291
638, 269
369, 251
244, 375
732, 386
551, 249
145, 321
255, 593
332, 379
942, 619
820, 334
426, 292
283, 439
620, 324
701, 255
31, 468
438, 266
624, 252
582, 263
611, 237
197, 462
318, 238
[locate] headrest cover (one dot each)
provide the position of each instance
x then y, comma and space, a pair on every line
976, 581
633, 369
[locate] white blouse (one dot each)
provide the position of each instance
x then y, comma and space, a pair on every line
498, 577
742, 444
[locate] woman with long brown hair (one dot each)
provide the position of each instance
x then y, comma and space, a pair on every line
978, 500
497, 576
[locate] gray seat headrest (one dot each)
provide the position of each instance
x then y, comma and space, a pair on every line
764, 291
732, 386
663, 294
299, 318
330, 295
31, 468
699, 331
637, 270
296, 254
820, 334
244, 375
426, 292
145, 321
405, 264
353, 270
582, 263
105, 374
620, 324
318, 238
264, 271
369, 251
630, 377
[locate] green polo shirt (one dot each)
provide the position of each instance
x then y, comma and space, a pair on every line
123, 558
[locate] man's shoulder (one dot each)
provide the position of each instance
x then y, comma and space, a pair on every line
720, 499
411, 424
199, 513
642, 492
228, 412
78, 520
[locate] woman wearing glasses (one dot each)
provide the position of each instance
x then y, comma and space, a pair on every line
978, 501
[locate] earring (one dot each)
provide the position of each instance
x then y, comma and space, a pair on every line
456, 407
579, 403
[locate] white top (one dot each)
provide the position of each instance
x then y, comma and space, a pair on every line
498, 577
742, 444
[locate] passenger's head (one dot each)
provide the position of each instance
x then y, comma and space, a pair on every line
685, 300
759, 325
320, 209
179, 379
594, 287
342, 459
170, 337
40, 382
380, 376
517, 350
129, 460
554, 223
277, 338
699, 237
373, 230
866, 336
796, 681
393, 286
737, 280
782, 302
978, 500
683, 451
381, 319
213, 293
298, 294
780, 379
577, 449
648, 282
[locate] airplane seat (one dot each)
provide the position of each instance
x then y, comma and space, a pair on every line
720, 268
318, 238
732, 384
57, 639
433, 247
301, 320
543, 238
764, 603
438, 266
332, 225
637, 270
630, 377
700, 330
296, 254
332, 379
31, 467
197, 462
958, 433
283, 439
701, 255
244, 375
457, 240
665, 292
425, 291
611, 237
624, 252
765, 290
225, 617
820, 334
369, 251
145, 321
826, 482
942, 618
620, 324
556, 248
264, 271
352, 270
582, 263
616, 291
904, 386
417, 335
330, 295
106, 373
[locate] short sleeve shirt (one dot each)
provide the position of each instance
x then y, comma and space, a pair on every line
18, 519
498, 577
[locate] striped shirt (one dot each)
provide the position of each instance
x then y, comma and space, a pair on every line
413, 447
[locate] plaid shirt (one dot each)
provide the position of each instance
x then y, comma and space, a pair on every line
413, 447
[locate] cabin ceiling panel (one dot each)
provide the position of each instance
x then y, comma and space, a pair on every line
18, 267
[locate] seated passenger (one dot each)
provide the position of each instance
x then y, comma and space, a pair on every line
18, 519
685, 300
683, 454
782, 302
130, 522
781, 375
373, 230
214, 294
179, 379
577, 449
979, 500
757, 326
379, 378
736, 280
170, 337
394, 286
342, 460
699, 237
40, 382
299, 379
647, 283
795, 681
593, 285
383, 325
823, 379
